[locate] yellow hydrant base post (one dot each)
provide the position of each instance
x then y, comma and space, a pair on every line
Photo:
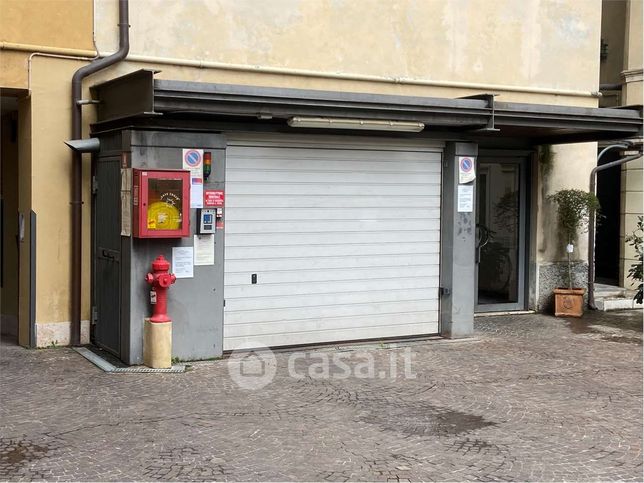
157, 344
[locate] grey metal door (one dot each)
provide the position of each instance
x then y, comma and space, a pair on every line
107, 256
501, 234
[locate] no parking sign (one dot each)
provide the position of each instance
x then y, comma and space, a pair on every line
466, 170
193, 162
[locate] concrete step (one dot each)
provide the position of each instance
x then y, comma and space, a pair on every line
610, 291
616, 303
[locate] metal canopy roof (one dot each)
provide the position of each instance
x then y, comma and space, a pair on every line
135, 97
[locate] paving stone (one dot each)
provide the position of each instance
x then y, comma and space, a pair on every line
532, 398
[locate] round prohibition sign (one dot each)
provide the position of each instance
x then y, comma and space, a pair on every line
466, 165
193, 158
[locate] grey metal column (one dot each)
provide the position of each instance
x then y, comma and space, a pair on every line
458, 236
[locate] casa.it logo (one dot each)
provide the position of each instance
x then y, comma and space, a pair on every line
252, 369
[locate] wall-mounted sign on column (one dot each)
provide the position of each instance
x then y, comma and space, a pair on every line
204, 249
214, 198
183, 262
466, 169
465, 202
193, 162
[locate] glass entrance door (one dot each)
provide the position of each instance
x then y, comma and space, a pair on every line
501, 234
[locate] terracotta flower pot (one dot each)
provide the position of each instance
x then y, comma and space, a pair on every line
569, 302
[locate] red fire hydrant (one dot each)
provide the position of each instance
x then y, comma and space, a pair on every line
160, 280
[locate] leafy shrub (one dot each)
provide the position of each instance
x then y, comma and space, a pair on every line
573, 211
635, 272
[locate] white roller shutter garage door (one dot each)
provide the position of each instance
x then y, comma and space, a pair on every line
343, 242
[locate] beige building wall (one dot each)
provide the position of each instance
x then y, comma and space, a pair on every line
631, 202
632, 73
622, 32
631, 209
526, 46
612, 59
508, 42
612, 36
571, 167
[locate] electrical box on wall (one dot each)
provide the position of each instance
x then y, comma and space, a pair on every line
161, 200
206, 221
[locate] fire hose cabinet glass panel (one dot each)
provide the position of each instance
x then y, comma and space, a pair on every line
161, 201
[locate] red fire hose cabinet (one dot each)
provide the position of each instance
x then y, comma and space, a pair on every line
161, 200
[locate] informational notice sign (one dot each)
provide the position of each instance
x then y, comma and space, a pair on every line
196, 193
182, 262
465, 202
204, 249
213, 198
466, 169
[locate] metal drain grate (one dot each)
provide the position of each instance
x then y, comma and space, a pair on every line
173, 369
107, 366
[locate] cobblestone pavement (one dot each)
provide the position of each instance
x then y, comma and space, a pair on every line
530, 398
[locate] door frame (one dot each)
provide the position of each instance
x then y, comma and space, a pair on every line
349, 143
522, 159
118, 351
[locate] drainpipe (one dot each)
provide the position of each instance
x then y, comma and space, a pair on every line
77, 163
591, 215
610, 87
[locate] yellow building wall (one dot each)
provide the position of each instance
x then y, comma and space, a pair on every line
13, 69
40, 25
51, 181
55, 23
54, 26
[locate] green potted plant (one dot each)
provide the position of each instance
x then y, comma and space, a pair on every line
573, 208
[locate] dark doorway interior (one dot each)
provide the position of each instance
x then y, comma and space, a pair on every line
9, 271
107, 256
607, 238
